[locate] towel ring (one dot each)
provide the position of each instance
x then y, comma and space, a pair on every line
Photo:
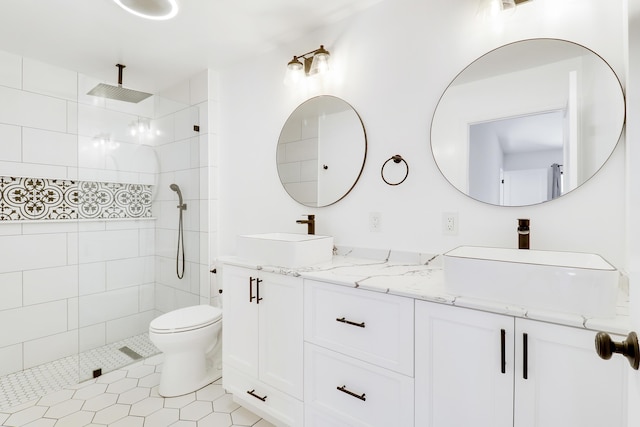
396, 159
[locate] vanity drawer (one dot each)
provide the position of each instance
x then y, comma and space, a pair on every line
370, 326
344, 391
278, 408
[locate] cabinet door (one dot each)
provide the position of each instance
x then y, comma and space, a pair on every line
281, 332
240, 320
566, 383
464, 367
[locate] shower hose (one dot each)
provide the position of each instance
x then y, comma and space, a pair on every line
180, 271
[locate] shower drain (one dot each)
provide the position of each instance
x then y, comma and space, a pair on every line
132, 354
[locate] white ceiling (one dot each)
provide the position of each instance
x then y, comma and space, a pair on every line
91, 36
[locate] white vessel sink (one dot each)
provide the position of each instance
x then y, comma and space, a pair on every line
577, 283
285, 249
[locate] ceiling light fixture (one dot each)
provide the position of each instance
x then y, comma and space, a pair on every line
158, 10
314, 62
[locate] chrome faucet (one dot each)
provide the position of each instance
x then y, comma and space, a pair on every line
311, 223
523, 233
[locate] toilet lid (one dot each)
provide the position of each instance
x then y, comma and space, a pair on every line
184, 319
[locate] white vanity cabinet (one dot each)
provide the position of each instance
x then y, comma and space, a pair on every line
358, 357
482, 369
263, 343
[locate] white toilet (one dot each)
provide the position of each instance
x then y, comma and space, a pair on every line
191, 341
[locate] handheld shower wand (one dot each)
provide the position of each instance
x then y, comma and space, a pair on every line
181, 206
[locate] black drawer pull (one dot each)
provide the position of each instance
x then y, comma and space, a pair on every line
350, 393
503, 358
252, 393
349, 322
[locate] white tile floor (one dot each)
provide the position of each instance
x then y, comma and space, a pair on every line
38, 381
128, 397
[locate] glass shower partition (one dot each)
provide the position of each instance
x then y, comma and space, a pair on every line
128, 156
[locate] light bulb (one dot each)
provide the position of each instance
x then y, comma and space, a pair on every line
490, 9
320, 63
295, 72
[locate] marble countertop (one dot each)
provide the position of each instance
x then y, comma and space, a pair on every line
420, 276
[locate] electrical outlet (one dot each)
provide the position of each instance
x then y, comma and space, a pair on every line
450, 223
374, 222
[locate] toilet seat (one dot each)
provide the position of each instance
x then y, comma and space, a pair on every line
185, 319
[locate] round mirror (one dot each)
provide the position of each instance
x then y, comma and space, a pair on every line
528, 122
321, 151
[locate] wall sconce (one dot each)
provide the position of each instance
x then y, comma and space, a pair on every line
494, 7
314, 62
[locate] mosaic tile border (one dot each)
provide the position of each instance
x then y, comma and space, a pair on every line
60, 199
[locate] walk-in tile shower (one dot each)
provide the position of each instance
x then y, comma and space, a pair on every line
88, 225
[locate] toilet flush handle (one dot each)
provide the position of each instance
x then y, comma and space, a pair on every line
605, 347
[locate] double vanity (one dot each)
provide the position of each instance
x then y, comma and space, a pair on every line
379, 338
321, 337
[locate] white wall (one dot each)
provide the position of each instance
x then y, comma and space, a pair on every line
392, 63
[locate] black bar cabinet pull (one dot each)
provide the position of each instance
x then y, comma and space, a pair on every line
525, 356
350, 393
251, 297
503, 355
349, 322
252, 393
258, 299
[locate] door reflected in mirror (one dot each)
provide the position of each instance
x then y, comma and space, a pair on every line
528, 122
321, 151
512, 161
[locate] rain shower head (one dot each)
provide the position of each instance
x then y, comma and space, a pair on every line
118, 93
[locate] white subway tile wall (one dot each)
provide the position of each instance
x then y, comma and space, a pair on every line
11, 70
77, 286
32, 110
11, 147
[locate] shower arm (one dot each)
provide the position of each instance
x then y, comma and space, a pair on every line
120, 68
